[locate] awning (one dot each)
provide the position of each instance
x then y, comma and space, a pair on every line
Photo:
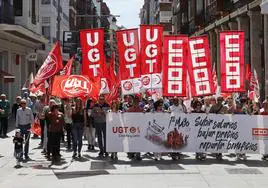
20, 32
264, 7
6, 76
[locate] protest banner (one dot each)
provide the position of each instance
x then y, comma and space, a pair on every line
161, 132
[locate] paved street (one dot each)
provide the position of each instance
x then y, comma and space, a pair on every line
91, 172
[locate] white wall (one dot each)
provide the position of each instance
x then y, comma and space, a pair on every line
26, 18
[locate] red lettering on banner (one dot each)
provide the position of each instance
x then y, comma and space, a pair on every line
92, 43
200, 67
174, 66
232, 61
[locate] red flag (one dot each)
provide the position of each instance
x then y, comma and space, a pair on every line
175, 66
105, 80
75, 86
112, 71
215, 80
248, 72
67, 70
199, 68
36, 127
151, 55
232, 61
114, 93
92, 43
51, 66
254, 87
129, 59
40, 89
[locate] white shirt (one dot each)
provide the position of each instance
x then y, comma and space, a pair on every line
206, 108
24, 116
176, 109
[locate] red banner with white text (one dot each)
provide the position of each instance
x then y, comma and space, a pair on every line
232, 61
51, 66
151, 55
129, 60
199, 67
75, 86
175, 61
92, 44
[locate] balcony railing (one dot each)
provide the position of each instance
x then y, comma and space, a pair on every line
6, 13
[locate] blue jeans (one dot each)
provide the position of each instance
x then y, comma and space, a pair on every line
18, 153
101, 133
25, 133
77, 133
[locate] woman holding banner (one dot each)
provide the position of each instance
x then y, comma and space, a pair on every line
197, 105
177, 107
219, 108
158, 108
114, 109
133, 103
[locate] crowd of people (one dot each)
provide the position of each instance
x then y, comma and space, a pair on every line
72, 120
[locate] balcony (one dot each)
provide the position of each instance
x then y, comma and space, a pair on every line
6, 13
165, 16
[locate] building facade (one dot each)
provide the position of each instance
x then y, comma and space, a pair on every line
209, 17
20, 39
49, 11
157, 12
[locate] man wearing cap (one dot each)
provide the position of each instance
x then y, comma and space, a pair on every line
4, 111
24, 119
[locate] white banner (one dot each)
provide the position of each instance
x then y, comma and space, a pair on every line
161, 132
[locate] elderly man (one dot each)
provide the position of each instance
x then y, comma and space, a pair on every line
24, 120
4, 111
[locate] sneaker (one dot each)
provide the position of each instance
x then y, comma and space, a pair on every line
89, 147
74, 155
26, 157
106, 154
100, 154
219, 156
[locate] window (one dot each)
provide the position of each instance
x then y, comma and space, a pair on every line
46, 2
33, 12
46, 31
17, 7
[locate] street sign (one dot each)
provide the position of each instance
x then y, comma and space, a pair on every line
70, 42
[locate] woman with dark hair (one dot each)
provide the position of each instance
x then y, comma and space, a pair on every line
133, 103
79, 121
114, 108
158, 108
